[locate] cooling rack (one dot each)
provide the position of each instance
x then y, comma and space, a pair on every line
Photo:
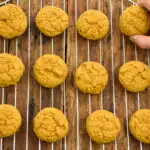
112, 51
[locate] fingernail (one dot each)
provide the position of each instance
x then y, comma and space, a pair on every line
132, 38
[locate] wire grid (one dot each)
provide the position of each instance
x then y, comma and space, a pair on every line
77, 102
113, 79
4, 2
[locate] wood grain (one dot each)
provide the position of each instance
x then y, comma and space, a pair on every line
107, 60
74, 50
83, 99
118, 61
71, 97
94, 49
34, 100
23, 85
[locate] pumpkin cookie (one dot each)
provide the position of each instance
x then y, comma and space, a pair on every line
50, 125
91, 77
50, 70
134, 76
51, 21
13, 21
139, 125
11, 69
92, 25
135, 20
102, 126
10, 120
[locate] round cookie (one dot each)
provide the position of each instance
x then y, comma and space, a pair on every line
50, 125
11, 69
10, 120
139, 125
50, 70
134, 76
52, 21
13, 21
91, 77
92, 25
135, 20
102, 126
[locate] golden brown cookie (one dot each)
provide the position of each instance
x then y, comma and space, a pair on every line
13, 21
11, 69
10, 120
92, 25
135, 20
91, 77
52, 21
140, 125
134, 76
50, 70
50, 125
102, 126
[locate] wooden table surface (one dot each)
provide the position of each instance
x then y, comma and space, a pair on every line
112, 52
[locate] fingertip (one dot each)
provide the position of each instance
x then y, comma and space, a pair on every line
141, 2
141, 41
144, 3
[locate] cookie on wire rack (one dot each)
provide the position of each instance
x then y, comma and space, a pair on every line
13, 21
10, 120
50, 70
134, 76
52, 21
91, 77
139, 125
11, 69
102, 126
50, 125
93, 25
135, 20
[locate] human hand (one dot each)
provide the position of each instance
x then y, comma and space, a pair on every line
141, 40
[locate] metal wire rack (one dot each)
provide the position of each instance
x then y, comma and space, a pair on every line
78, 146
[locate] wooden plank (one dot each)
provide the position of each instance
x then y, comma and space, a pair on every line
1, 51
142, 55
107, 60
21, 89
22, 86
120, 98
10, 96
46, 93
83, 99
94, 48
71, 97
7, 99
133, 99
59, 50
34, 101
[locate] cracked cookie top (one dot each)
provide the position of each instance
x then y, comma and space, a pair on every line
11, 69
134, 76
13, 21
50, 70
92, 25
139, 125
10, 120
102, 126
91, 77
52, 21
50, 125
135, 20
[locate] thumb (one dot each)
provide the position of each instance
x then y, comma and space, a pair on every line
141, 40
145, 3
